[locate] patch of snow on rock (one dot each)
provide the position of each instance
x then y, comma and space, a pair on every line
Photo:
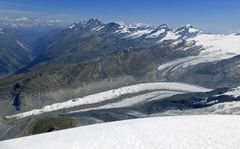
156, 34
170, 36
21, 44
235, 92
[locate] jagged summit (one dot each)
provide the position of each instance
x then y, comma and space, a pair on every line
93, 21
89, 25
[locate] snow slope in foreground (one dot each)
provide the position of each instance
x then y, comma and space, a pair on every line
176, 132
113, 94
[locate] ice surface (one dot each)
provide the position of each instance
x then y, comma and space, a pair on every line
218, 44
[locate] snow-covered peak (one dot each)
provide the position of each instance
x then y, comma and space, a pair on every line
187, 31
159, 32
93, 22
163, 26
119, 28
92, 25
189, 26
181, 33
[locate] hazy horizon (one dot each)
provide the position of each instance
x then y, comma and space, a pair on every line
216, 16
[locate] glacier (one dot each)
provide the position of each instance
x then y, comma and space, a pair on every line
116, 93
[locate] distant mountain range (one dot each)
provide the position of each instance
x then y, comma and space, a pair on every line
72, 70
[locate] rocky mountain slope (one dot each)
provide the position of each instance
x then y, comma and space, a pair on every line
14, 53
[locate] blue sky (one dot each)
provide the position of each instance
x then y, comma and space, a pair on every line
221, 16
